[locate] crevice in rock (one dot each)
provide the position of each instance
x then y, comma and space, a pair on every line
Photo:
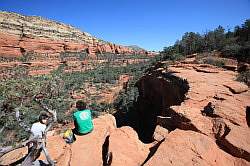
248, 115
231, 149
233, 122
152, 151
179, 121
235, 91
70, 158
106, 155
22, 50
219, 98
157, 93
221, 130
204, 70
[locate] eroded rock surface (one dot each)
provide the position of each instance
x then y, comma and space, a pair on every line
21, 34
191, 148
210, 87
93, 149
126, 148
41, 45
170, 115
235, 141
214, 108
226, 123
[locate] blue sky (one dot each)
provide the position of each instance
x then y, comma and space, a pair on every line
151, 24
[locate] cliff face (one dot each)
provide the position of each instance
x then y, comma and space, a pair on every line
22, 34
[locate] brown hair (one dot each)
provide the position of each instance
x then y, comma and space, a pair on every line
80, 105
43, 116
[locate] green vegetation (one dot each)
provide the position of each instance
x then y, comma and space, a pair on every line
215, 62
244, 77
127, 98
111, 56
18, 108
231, 43
76, 55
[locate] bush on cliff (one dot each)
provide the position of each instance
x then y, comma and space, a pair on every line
214, 61
244, 77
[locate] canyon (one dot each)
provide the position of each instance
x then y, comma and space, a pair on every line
207, 124
41, 45
186, 113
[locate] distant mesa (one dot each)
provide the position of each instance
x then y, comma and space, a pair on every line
136, 48
21, 34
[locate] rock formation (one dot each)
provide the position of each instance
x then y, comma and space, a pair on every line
92, 149
175, 97
186, 113
23, 34
40, 46
191, 148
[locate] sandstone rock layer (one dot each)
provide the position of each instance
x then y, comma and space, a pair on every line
23, 34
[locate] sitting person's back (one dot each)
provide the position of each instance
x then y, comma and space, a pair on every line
82, 119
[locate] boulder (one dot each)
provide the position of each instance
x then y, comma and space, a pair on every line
126, 148
56, 146
236, 87
236, 141
191, 148
160, 133
87, 149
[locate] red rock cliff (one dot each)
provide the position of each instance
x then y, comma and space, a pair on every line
21, 34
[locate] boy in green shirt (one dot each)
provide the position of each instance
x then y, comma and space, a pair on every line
82, 119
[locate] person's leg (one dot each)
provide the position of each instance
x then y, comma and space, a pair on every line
46, 153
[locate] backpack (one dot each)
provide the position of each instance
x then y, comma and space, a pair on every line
69, 136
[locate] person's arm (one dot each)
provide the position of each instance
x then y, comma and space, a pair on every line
94, 112
75, 123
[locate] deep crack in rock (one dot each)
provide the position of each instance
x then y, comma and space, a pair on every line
106, 155
157, 93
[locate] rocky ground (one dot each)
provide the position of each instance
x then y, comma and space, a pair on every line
207, 134
208, 124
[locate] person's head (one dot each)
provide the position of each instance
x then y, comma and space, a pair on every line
80, 105
43, 118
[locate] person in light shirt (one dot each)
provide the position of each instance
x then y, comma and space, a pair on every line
37, 142
38, 128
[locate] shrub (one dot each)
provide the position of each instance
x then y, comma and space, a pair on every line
174, 57
244, 77
215, 62
231, 49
